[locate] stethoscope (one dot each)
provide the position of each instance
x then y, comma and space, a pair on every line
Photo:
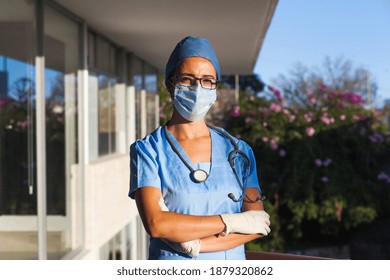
200, 175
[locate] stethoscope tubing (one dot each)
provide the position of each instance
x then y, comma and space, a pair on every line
199, 173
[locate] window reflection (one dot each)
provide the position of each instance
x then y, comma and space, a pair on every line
136, 79
61, 45
106, 111
18, 220
151, 91
17, 167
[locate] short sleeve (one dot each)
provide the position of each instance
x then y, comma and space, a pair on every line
253, 181
143, 167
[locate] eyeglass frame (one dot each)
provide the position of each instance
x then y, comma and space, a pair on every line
194, 79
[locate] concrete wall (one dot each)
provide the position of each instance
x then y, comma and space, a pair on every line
107, 207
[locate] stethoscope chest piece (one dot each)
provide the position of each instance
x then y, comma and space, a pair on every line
199, 175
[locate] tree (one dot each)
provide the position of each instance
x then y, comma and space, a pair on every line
303, 84
251, 83
321, 155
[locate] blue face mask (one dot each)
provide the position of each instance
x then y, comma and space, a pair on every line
194, 102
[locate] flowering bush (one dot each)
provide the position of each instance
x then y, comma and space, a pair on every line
321, 164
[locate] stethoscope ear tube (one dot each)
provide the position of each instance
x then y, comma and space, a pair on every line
233, 197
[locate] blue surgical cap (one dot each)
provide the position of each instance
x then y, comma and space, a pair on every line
191, 47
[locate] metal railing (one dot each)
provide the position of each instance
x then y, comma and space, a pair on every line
251, 255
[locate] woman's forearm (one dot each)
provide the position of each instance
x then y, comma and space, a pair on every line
221, 243
173, 226
179, 228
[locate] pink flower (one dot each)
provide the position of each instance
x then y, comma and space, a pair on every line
248, 120
276, 92
236, 111
238, 136
323, 87
312, 100
251, 112
352, 98
310, 131
286, 112
309, 92
342, 117
265, 124
291, 118
264, 139
4, 100
274, 144
22, 124
275, 107
325, 120
318, 162
308, 116
359, 117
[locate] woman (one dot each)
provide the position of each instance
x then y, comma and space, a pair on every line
185, 189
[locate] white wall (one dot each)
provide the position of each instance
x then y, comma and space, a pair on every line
107, 206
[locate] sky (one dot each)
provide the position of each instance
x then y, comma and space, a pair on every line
307, 31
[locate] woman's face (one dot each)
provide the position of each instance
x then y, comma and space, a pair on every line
197, 67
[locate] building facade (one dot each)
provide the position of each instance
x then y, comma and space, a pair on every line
95, 98
72, 100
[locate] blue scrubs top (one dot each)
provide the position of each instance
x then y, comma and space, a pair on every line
154, 163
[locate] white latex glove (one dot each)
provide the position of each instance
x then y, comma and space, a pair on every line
162, 205
191, 248
248, 222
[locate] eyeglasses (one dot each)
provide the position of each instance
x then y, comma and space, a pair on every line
189, 81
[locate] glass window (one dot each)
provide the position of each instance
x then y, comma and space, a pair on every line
61, 50
106, 118
91, 50
151, 97
103, 64
136, 79
18, 220
105, 57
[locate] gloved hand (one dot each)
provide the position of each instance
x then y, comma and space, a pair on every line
191, 248
248, 222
